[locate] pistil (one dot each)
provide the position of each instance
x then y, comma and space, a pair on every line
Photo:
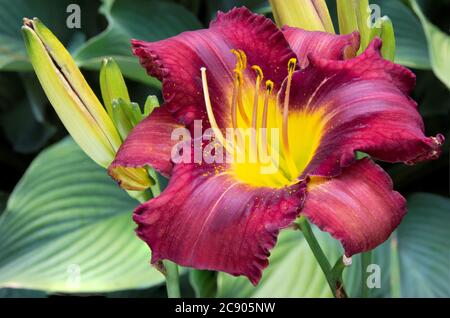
212, 120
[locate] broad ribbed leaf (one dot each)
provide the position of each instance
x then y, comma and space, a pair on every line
204, 283
68, 228
260, 6
423, 246
439, 46
293, 271
13, 56
21, 293
148, 20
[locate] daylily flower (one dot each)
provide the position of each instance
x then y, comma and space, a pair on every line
327, 105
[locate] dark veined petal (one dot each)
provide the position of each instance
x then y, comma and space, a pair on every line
358, 207
361, 104
207, 220
148, 144
177, 62
321, 44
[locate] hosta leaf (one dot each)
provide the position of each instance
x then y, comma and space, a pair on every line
293, 271
20, 293
260, 6
3, 198
204, 283
13, 56
439, 46
21, 128
423, 246
68, 228
148, 20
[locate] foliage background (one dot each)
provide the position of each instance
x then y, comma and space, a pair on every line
67, 228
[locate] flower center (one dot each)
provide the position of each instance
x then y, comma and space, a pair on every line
269, 145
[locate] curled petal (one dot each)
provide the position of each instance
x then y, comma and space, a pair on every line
363, 105
359, 207
208, 220
321, 44
148, 144
177, 62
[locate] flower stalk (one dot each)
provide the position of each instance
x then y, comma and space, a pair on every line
168, 268
366, 260
332, 275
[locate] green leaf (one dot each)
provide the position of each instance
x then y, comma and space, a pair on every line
12, 50
23, 131
353, 277
204, 283
260, 6
420, 245
36, 96
423, 246
3, 198
433, 96
293, 270
68, 228
21, 293
411, 42
439, 46
148, 20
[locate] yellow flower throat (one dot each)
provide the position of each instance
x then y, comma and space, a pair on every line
271, 145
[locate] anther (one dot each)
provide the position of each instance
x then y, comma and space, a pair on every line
291, 64
258, 71
243, 59
239, 65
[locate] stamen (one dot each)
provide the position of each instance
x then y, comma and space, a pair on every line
209, 111
285, 128
269, 88
241, 65
240, 103
259, 77
234, 99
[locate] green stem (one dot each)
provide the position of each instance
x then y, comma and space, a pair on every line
366, 260
395, 269
172, 279
170, 268
335, 284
